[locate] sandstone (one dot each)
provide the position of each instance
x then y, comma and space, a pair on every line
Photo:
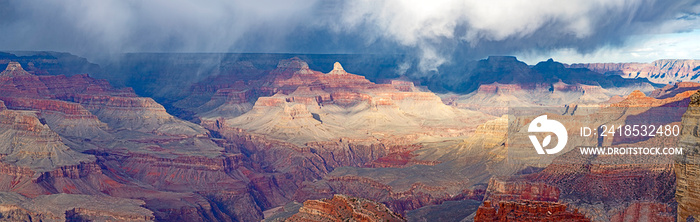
527, 211
344, 208
687, 168
129, 147
33, 144
337, 69
521, 190
671, 90
326, 96
14, 69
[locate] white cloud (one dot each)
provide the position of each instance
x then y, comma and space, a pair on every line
426, 24
639, 48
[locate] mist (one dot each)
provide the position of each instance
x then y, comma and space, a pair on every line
436, 32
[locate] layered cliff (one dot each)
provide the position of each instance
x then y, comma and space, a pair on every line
660, 71
33, 145
344, 208
80, 135
311, 106
687, 167
527, 211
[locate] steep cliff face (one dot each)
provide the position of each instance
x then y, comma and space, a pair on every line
687, 168
660, 71
584, 180
527, 211
344, 208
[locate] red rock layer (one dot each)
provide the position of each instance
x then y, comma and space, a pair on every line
671, 90
417, 196
344, 208
131, 175
527, 211
638, 99
521, 190
293, 81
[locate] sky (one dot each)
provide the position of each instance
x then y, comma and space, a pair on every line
436, 32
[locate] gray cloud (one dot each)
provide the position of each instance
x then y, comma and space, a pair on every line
438, 32
442, 31
114, 26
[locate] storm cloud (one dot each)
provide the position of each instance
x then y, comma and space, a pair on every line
438, 32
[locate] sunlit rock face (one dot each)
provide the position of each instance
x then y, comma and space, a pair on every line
311, 106
291, 134
687, 168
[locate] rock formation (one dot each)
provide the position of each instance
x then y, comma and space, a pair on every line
14, 69
79, 135
527, 211
344, 208
291, 134
337, 69
71, 207
687, 168
660, 71
312, 106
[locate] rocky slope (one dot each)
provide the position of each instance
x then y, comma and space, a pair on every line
71, 207
603, 187
527, 211
660, 71
312, 123
687, 167
311, 106
344, 208
251, 162
268, 140
79, 135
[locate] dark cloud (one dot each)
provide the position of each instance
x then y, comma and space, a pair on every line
437, 32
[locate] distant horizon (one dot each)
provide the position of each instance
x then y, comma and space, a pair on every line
519, 58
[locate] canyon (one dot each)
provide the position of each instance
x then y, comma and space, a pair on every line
662, 71
288, 142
